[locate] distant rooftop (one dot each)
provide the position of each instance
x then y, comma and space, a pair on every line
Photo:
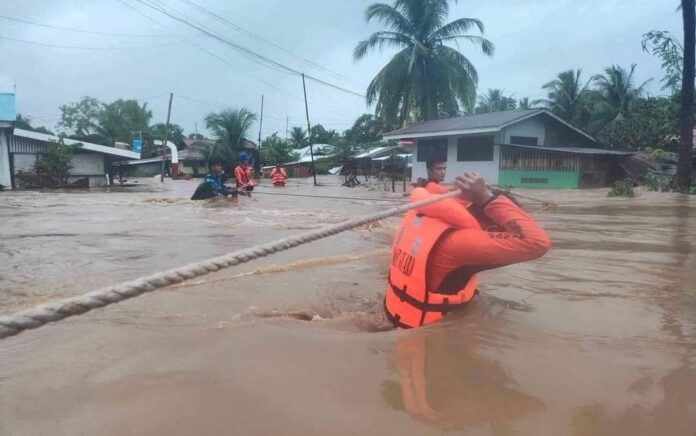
472, 124
489, 121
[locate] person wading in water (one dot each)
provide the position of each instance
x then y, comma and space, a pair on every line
438, 250
244, 173
278, 175
213, 184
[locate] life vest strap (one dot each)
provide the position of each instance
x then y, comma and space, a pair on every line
394, 319
423, 307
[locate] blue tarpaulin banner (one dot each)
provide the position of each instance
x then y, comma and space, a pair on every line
137, 146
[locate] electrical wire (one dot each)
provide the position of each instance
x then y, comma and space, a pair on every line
91, 32
254, 56
210, 53
260, 38
74, 47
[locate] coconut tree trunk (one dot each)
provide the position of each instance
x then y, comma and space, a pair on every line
686, 122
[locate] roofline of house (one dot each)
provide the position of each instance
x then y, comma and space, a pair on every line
84, 145
492, 129
562, 121
443, 133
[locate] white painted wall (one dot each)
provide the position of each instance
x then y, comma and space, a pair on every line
5, 178
533, 127
23, 161
88, 164
489, 170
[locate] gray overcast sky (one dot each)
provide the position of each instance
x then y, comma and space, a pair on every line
534, 39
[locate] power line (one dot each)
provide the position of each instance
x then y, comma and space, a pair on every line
151, 97
199, 101
73, 47
210, 53
261, 60
254, 56
260, 38
92, 32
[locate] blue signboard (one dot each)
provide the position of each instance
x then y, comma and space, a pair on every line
137, 146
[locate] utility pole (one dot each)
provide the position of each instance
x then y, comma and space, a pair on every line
309, 130
261, 122
166, 133
287, 121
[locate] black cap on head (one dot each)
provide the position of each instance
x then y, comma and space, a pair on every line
215, 161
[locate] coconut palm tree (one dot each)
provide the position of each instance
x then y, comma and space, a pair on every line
617, 89
567, 97
230, 127
495, 101
426, 76
298, 137
524, 103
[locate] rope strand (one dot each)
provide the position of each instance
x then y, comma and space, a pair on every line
43, 314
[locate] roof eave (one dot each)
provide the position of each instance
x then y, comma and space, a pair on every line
84, 145
443, 133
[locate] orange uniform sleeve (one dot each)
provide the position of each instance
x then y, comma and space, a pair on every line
520, 239
239, 176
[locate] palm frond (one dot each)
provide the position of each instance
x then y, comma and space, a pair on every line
389, 16
457, 27
379, 40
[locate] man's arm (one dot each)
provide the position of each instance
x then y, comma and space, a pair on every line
520, 237
217, 187
240, 177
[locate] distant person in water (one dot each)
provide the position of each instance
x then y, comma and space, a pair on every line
244, 173
278, 175
213, 184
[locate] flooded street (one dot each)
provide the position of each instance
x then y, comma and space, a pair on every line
596, 338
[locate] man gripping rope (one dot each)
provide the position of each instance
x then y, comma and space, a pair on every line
438, 250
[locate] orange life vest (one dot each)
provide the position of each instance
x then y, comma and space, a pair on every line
409, 300
278, 176
244, 176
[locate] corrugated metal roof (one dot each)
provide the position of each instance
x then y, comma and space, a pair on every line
144, 161
475, 124
492, 120
82, 144
8, 110
369, 153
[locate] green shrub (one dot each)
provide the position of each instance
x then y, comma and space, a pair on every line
50, 170
657, 182
622, 188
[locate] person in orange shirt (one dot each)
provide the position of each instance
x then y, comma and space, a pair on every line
438, 250
436, 175
278, 175
244, 174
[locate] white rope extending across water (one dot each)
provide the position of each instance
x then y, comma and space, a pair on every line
43, 314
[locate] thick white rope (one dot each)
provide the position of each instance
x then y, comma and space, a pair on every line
43, 314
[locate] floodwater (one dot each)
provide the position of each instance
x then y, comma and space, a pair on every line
596, 338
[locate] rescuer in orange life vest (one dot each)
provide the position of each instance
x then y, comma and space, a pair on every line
278, 175
438, 250
244, 174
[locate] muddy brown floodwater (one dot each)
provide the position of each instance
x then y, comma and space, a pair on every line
597, 338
